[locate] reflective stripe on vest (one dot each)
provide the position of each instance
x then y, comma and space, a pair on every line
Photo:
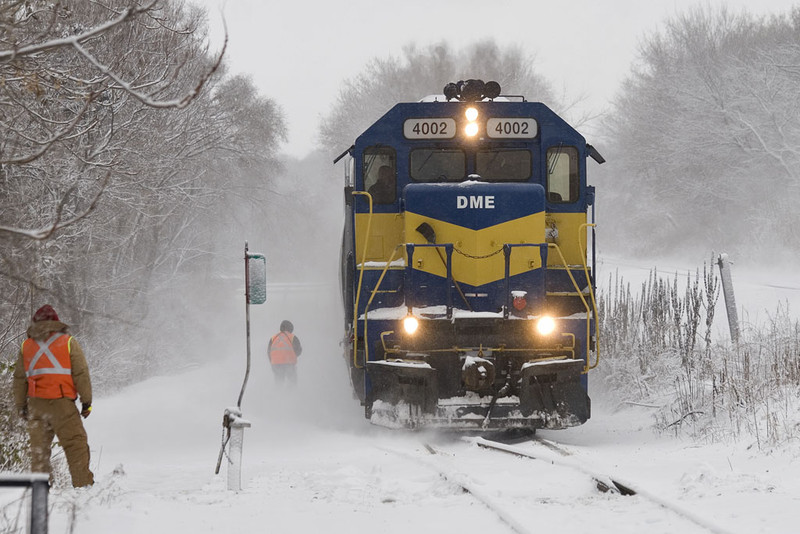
282, 349
48, 367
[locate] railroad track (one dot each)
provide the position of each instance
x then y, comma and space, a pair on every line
605, 483
582, 496
450, 472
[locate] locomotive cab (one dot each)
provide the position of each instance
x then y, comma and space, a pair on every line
469, 300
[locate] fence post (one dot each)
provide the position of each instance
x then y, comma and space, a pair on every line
40, 488
727, 291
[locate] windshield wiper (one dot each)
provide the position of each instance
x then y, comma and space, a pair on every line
552, 167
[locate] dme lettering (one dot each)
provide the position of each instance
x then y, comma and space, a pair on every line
475, 202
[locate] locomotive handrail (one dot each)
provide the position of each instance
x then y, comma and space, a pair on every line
594, 302
383, 342
371, 297
583, 299
360, 281
380, 279
458, 348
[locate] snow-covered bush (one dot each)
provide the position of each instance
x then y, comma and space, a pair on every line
712, 391
14, 443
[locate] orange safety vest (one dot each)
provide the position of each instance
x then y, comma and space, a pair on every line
282, 349
48, 367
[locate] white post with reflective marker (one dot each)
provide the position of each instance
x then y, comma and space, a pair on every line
237, 426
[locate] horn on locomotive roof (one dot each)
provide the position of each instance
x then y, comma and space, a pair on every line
471, 90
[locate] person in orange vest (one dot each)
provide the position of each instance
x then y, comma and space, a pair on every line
50, 375
283, 350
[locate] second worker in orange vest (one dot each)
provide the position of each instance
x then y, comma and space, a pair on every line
50, 375
283, 350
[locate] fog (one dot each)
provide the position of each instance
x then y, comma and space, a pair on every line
299, 233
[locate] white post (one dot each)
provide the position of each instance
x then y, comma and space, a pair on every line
727, 291
237, 426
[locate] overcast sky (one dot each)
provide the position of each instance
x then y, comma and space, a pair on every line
299, 52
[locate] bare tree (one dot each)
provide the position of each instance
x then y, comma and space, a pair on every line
706, 127
102, 112
122, 143
67, 69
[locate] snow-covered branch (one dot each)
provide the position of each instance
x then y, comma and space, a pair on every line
47, 143
41, 234
178, 103
27, 50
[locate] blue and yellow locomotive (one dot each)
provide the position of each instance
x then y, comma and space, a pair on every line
469, 301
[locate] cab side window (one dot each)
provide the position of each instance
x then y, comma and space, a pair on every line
380, 174
563, 176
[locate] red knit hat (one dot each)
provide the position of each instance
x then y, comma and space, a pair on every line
45, 313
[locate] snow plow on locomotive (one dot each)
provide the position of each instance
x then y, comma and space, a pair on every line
467, 291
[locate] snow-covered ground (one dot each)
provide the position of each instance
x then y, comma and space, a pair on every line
313, 464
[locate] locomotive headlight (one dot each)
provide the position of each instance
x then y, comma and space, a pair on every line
471, 129
410, 324
545, 325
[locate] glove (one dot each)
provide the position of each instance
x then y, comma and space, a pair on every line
86, 409
23, 412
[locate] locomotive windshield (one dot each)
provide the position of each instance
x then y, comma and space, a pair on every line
503, 165
438, 165
450, 165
